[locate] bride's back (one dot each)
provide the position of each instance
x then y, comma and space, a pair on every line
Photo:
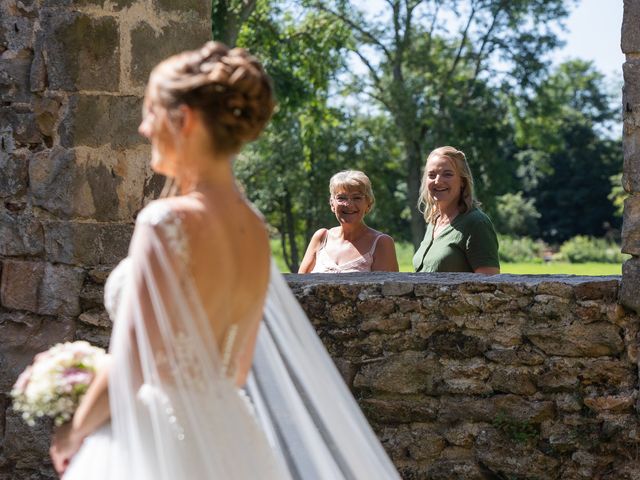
229, 260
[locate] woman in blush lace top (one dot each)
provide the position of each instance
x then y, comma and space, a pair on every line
352, 246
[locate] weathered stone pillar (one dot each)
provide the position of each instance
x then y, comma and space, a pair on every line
630, 291
73, 172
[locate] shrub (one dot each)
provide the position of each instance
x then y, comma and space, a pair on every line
516, 215
582, 249
520, 249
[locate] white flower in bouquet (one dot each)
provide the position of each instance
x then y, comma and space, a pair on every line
56, 381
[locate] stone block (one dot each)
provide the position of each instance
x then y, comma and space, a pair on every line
631, 88
546, 307
197, 9
20, 235
14, 78
16, 31
40, 287
58, 184
92, 296
524, 355
29, 447
455, 345
375, 307
20, 284
149, 47
418, 441
97, 336
23, 336
22, 125
456, 409
87, 244
601, 290
612, 375
555, 289
100, 184
559, 375
506, 458
463, 434
46, 112
630, 285
631, 27
464, 377
611, 403
631, 226
82, 52
576, 339
407, 409
405, 373
13, 165
96, 120
60, 290
389, 324
392, 289
518, 381
342, 314
451, 469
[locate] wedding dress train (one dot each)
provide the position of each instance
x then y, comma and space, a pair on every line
176, 414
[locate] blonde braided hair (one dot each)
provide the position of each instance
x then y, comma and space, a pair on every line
228, 86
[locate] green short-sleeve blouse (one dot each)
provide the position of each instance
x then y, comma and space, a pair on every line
468, 243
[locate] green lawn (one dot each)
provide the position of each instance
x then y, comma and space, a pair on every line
404, 252
563, 268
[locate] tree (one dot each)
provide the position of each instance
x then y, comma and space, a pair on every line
567, 157
286, 172
516, 216
428, 78
228, 17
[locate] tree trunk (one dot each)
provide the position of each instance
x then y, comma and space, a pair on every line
293, 262
413, 154
227, 19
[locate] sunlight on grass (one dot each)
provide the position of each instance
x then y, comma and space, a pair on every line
563, 268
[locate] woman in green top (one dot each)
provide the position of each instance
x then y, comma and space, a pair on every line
459, 237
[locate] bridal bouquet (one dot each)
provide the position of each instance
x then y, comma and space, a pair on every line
53, 385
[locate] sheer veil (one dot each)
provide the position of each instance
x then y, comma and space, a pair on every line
175, 412
302, 401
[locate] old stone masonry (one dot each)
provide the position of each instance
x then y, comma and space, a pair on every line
462, 377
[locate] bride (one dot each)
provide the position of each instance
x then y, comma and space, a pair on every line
199, 387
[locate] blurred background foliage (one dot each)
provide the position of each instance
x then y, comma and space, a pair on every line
378, 92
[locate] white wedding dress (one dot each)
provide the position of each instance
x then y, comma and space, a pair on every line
176, 414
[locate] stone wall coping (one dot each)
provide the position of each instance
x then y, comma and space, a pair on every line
379, 278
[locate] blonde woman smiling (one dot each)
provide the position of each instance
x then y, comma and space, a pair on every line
352, 246
459, 236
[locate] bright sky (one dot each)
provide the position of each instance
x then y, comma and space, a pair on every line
593, 33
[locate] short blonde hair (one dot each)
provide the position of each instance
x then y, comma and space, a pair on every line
353, 180
467, 201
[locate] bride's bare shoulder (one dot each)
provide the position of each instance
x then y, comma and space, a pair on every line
169, 210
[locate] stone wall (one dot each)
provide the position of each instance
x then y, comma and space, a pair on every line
462, 377
73, 170
631, 141
506, 377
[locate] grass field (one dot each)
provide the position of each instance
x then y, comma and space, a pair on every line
404, 252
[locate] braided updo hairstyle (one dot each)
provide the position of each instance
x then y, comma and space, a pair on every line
228, 87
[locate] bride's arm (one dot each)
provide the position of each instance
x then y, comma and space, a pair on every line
92, 412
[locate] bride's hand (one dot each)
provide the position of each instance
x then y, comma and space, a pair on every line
64, 445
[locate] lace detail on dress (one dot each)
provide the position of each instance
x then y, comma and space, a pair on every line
325, 264
159, 214
113, 287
